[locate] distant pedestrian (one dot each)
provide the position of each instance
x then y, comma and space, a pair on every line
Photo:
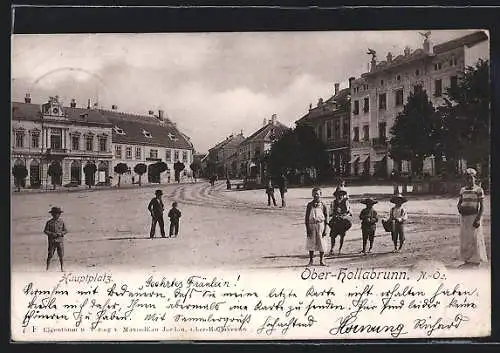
315, 220
369, 219
398, 217
470, 206
156, 209
341, 220
55, 229
174, 214
283, 187
228, 184
270, 192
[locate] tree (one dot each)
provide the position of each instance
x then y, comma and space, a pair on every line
414, 133
299, 149
140, 169
156, 169
178, 168
89, 170
195, 167
120, 168
55, 173
466, 117
20, 173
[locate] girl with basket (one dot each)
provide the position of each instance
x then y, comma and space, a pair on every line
341, 220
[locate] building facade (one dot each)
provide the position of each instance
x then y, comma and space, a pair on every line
221, 157
252, 150
68, 137
73, 138
330, 120
378, 96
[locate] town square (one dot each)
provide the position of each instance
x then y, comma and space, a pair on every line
381, 160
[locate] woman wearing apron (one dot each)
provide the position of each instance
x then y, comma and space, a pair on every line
315, 221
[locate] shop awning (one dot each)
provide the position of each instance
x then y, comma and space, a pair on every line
379, 158
354, 159
364, 158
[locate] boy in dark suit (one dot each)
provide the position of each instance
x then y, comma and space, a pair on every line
174, 214
156, 209
55, 230
369, 221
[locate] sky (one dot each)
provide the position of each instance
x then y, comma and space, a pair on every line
210, 84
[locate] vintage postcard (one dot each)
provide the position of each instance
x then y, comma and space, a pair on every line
250, 186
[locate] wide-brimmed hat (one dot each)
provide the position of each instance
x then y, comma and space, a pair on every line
471, 172
55, 210
158, 192
369, 201
340, 190
398, 199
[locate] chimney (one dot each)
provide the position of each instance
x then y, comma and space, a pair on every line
27, 98
407, 51
320, 102
337, 85
427, 44
273, 119
241, 132
350, 81
264, 122
151, 112
88, 104
73, 103
389, 57
114, 107
161, 115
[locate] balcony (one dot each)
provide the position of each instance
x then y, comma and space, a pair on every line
361, 144
379, 142
57, 151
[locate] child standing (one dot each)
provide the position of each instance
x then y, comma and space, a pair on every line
315, 221
55, 230
341, 220
174, 214
398, 217
369, 221
270, 192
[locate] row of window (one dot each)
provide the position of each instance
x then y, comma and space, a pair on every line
366, 132
56, 140
398, 96
333, 130
153, 153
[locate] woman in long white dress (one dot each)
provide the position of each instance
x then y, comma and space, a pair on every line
315, 221
470, 206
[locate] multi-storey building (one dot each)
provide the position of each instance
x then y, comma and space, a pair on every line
75, 137
330, 120
66, 136
221, 156
252, 150
148, 139
379, 95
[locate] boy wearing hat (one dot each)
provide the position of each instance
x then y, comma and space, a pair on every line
398, 217
369, 219
55, 229
341, 217
156, 209
174, 214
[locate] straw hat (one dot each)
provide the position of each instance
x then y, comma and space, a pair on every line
340, 190
471, 171
55, 210
369, 201
398, 199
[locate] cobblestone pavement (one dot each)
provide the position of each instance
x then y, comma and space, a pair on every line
219, 228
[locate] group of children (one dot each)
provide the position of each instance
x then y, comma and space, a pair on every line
55, 228
316, 220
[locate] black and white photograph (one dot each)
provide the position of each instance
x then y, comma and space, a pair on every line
350, 155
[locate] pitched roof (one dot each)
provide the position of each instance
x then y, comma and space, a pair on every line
335, 103
467, 40
32, 112
418, 54
234, 139
261, 133
163, 134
